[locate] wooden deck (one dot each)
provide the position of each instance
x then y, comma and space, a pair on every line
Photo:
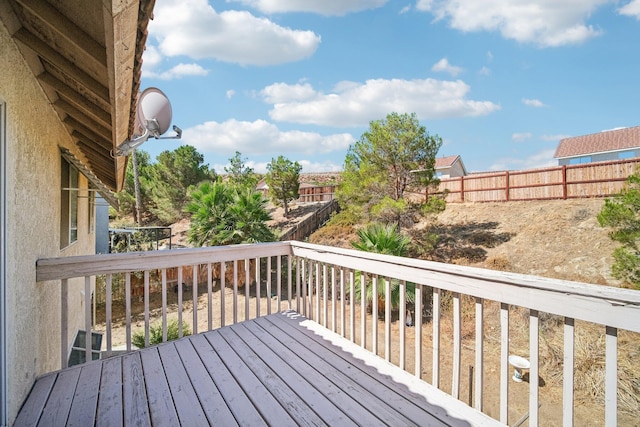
281, 369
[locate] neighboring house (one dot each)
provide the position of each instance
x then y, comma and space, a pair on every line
69, 78
450, 167
614, 144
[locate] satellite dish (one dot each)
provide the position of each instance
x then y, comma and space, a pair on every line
154, 111
153, 118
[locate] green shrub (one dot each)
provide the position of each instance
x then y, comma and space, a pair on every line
155, 333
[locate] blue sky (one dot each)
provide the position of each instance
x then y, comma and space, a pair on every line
501, 82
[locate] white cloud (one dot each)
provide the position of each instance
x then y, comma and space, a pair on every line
322, 7
353, 104
193, 28
631, 9
444, 66
177, 72
533, 103
484, 71
405, 9
556, 137
261, 137
544, 23
519, 137
489, 56
328, 166
541, 159
230, 93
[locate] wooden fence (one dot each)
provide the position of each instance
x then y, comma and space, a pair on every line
586, 180
316, 194
303, 229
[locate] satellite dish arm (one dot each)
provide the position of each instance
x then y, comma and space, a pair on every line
128, 146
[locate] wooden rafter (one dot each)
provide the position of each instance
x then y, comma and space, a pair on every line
87, 48
75, 98
69, 68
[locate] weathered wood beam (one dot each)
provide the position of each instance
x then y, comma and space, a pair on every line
73, 71
88, 129
121, 22
88, 133
95, 111
83, 118
92, 52
90, 148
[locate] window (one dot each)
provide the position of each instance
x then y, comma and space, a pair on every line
579, 160
69, 208
78, 354
626, 155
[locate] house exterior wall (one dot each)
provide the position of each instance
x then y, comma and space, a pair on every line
455, 170
600, 157
34, 134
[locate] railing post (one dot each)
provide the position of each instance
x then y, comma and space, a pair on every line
88, 338
435, 344
533, 372
457, 346
611, 377
418, 329
567, 375
504, 363
479, 368
64, 322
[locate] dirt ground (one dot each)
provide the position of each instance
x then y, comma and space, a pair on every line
558, 239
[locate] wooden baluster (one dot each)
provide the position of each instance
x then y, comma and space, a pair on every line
64, 323
567, 375
127, 299
457, 341
387, 319
108, 320
534, 344
403, 323
479, 368
435, 375
611, 377
504, 363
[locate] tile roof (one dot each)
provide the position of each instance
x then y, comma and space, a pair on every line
445, 162
611, 140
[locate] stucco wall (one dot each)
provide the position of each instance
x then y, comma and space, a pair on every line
34, 134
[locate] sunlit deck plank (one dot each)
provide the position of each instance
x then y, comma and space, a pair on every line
85, 399
280, 369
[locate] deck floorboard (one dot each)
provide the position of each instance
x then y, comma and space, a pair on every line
281, 369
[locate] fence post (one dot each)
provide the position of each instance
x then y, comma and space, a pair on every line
506, 176
462, 188
564, 182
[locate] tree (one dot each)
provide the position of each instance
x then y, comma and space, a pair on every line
622, 214
127, 197
391, 155
383, 239
222, 214
176, 172
283, 181
240, 174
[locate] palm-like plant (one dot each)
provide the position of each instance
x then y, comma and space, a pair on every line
224, 215
383, 239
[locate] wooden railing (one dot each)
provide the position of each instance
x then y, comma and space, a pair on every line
322, 283
305, 228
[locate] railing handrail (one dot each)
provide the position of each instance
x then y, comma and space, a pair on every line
605, 305
90, 265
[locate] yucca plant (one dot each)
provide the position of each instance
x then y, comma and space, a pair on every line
383, 239
155, 333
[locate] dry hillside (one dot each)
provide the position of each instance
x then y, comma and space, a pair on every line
559, 238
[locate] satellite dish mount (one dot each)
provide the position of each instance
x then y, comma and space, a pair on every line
153, 117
